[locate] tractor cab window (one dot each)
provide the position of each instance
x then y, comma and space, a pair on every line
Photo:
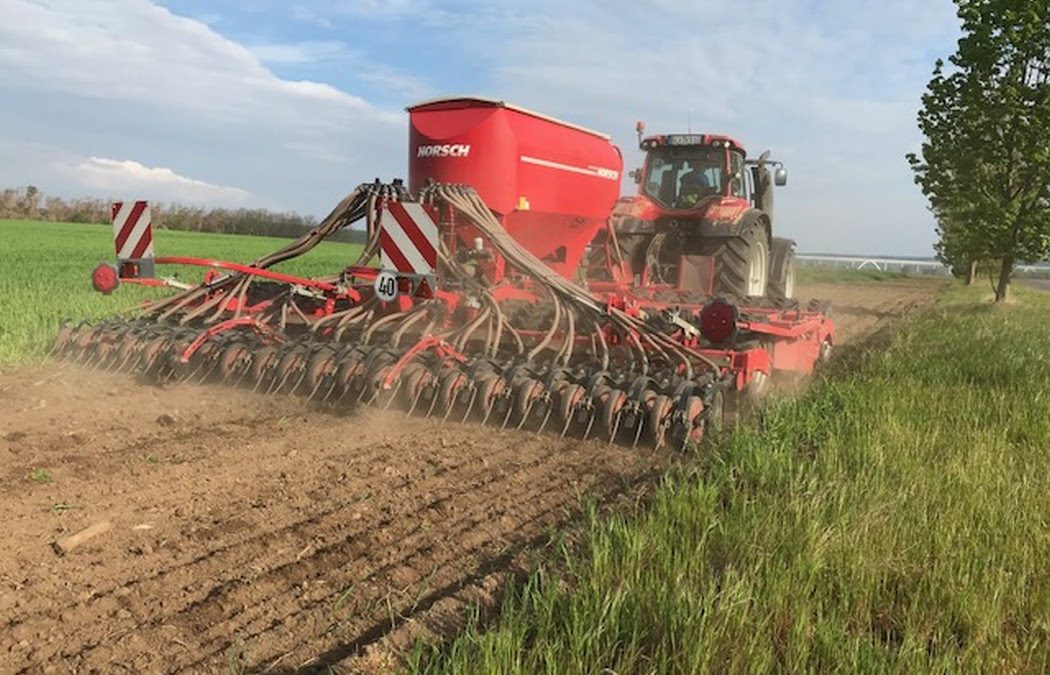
679, 177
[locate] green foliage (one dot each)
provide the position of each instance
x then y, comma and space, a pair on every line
985, 164
42, 476
46, 279
893, 519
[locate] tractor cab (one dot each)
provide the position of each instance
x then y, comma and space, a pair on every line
685, 171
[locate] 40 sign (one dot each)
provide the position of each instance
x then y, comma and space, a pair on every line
389, 284
386, 286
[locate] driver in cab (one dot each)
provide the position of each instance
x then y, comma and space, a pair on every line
693, 187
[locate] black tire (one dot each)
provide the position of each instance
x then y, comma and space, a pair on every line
782, 270
735, 258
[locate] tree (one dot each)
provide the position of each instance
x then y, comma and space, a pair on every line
957, 248
32, 203
985, 163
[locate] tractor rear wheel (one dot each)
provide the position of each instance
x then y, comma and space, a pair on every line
782, 270
742, 262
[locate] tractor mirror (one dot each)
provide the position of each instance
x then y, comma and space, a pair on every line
780, 176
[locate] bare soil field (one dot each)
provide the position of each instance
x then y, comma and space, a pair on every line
264, 534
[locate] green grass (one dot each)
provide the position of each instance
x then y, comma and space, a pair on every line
47, 266
895, 518
831, 275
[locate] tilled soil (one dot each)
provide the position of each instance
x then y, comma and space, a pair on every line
860, 309
270, 535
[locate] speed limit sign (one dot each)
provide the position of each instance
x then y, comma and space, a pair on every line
386, 286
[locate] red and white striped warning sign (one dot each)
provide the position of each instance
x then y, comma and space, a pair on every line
132, 230
408, 239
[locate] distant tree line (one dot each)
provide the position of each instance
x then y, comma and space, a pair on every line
29, 203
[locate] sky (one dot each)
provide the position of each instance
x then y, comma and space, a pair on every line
289, 105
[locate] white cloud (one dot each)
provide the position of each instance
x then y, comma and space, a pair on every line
127, 78
127, 177
312, 51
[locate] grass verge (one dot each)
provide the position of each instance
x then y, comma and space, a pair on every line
893, 518
46, 276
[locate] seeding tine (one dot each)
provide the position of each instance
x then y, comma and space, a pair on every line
184, 372
75, 348
637, 432
488, 411
361, 395
615, 426
151, 359
97, 361
122, 352
81, 355
198, 365
299, 382
208, 367
94, 352
277, 383
349, 392
433, 402
393, 395
317, 387
470, 404
528, 411
134, 352
371, 399
60, 340
133, 357
546, 417
590, 423
335, 383
565, 429
245, 369
415, 402
506, 418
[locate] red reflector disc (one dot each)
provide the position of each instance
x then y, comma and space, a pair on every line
104, 278
718, 322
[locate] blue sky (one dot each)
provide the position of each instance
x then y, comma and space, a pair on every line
289, 105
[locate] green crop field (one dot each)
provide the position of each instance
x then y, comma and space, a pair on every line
46, 275
832, 275
892, 519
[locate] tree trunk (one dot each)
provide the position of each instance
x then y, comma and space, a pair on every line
971, 272
1002, 290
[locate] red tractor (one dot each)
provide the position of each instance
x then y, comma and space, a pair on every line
703, 219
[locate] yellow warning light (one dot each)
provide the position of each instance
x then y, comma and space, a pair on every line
523, 204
